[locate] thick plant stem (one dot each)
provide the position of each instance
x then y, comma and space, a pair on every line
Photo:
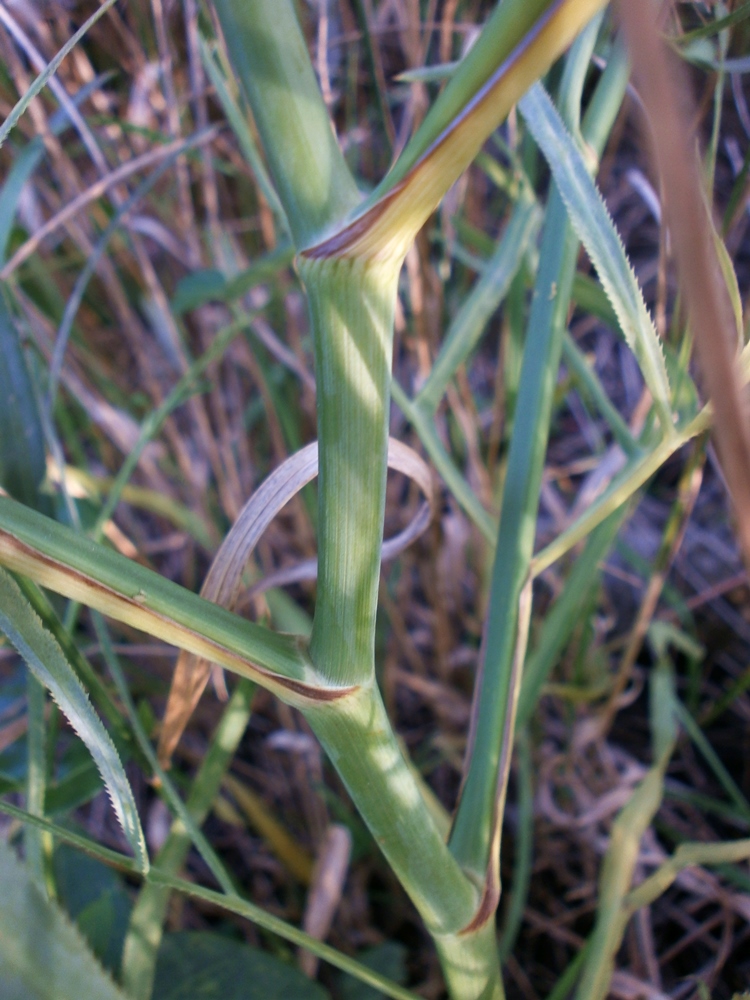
358, 738
269, 54
351, 307
360, 742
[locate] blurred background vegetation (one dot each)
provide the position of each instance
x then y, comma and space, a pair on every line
152, 288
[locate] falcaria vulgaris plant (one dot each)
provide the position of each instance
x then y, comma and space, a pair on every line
349, 250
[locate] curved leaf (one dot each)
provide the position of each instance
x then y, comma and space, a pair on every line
47, 662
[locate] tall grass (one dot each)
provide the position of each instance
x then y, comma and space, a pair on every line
164, 397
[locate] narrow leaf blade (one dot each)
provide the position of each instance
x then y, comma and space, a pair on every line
594, 227
46, 660
22, 458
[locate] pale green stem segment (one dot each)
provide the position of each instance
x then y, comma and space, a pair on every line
269, 54
474, 838
351, 308
358, 738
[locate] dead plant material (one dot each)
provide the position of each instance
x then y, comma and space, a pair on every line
664, 90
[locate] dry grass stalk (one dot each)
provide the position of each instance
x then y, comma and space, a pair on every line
664, 89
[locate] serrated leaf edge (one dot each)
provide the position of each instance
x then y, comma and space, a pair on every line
639, 331
118, 789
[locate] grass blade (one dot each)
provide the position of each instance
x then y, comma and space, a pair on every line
685, 856
622, 854
595, 229
29, 158
22, 453
490, 290
561, 620
49, 71
47, 662
71, 564
284, 930
241, 129
160, 878
465, 497
471, 837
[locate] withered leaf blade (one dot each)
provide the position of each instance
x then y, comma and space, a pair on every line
224, 578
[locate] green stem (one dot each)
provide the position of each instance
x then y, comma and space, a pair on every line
383, 788
351, 308
470, 839
269, 54
472, 836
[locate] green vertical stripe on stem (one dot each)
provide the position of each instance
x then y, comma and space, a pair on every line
473, 826
472, 831
269, 55
351, 308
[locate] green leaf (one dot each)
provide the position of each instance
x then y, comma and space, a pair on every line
210, 285
389, 959
29, 159
22, 456
714, 27
206, 285
194, 966
49, 71
42, 955
95, 897
594, 227
46, 660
